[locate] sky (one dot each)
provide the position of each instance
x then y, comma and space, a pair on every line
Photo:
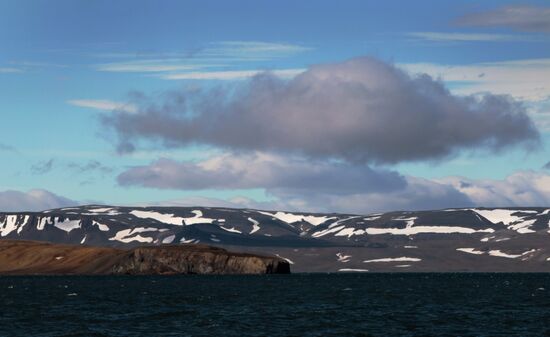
312, 106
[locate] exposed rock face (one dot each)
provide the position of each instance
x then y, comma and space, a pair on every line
196, 259
31, 258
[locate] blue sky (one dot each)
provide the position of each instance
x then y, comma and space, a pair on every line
66, 67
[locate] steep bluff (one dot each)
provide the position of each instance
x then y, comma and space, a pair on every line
42, 258
196, 259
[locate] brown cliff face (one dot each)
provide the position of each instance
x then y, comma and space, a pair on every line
196, 259
31, 258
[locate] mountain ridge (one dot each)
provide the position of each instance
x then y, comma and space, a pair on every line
461, 239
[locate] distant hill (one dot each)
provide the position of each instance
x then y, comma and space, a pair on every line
506, 239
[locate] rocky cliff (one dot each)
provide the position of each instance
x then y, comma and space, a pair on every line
31, 258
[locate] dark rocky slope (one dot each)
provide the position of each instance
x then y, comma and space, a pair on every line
31, 258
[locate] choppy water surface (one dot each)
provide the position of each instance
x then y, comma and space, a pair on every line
278, 305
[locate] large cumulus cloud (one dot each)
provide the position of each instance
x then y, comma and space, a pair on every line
360, 111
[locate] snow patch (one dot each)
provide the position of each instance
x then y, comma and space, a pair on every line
410, 221
232, 229
8, 225
42, 222
394, 259
284, 258
523, 226
353, 270
290, 218
498, 215
172, 219
471, 251
255, 225
343, 258
102, 211
426, 230
67, 225
499, 253
160, 217
168, 239
125, 235
103, 228
327, 231
512, 222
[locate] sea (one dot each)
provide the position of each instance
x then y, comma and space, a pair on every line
392, 304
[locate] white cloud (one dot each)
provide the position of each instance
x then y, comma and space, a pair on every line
103, 105
254, 49
523, 79
150, 66
10, 70
359, 110
230, 75
31, 201
464, 37
295, 184
213, 55
519, 17
522, 188
302, 185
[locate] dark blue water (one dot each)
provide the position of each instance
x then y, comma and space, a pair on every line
278, 305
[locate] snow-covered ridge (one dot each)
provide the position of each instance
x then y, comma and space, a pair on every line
97, 224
